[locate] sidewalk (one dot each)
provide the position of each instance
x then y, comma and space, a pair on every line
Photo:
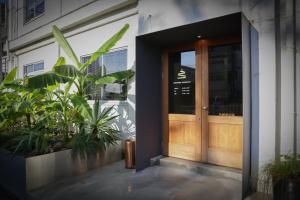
114, 182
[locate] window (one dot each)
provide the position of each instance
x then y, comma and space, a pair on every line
33, 69
108, 63
33, 9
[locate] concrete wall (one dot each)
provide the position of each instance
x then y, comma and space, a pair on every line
20, 175
298, 73
288, 72
261, 14
44, 169
166, 14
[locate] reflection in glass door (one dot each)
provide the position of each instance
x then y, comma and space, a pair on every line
225, 80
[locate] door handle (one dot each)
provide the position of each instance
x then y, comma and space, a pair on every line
205, 108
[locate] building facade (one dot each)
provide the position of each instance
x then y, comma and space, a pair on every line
267, 31
3, 37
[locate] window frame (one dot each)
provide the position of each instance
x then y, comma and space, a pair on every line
35, 16
102, 92
34, 72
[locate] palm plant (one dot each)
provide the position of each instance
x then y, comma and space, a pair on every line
96, 132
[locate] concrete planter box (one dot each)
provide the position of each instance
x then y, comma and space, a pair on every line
20, 175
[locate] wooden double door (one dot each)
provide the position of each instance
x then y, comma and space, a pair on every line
202, 102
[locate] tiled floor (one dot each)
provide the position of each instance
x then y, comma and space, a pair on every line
113, 182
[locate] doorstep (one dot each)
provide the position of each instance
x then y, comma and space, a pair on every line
201, 168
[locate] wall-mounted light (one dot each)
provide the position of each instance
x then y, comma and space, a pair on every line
199, 36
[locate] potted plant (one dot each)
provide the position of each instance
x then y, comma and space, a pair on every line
283, 177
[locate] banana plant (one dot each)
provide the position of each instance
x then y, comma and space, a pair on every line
44, 112
27, 117
75, 74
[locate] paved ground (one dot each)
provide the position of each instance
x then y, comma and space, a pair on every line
113, 182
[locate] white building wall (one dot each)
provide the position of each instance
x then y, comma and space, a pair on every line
68, 6
63, 13
48, 54
52, 12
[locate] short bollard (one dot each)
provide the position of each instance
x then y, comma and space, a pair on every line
129, 154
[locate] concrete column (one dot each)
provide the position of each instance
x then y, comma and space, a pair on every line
261, 15
287, 77
298, 73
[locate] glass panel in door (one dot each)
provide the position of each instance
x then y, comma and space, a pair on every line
182, 67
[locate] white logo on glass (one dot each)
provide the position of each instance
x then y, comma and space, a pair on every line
181, 74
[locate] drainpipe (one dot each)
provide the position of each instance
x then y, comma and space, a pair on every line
278, 81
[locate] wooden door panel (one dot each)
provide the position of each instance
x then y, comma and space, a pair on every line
225, 136
182, 151
225, 158
183, 136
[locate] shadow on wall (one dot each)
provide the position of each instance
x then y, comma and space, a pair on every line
189, 10
125, 123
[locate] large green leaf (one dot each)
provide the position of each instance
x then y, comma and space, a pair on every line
60, 61
11, 75
45, 80
106, 46
15, 86
82, 106
114, 77
66, 70
62, 41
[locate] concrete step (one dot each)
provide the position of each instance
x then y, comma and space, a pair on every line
202, 168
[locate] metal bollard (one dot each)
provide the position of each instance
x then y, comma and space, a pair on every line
129, 154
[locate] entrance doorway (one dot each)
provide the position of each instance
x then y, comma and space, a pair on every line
202, 102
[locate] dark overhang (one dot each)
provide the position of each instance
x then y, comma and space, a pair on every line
229, 25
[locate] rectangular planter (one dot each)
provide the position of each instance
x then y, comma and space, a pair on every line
20, 175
